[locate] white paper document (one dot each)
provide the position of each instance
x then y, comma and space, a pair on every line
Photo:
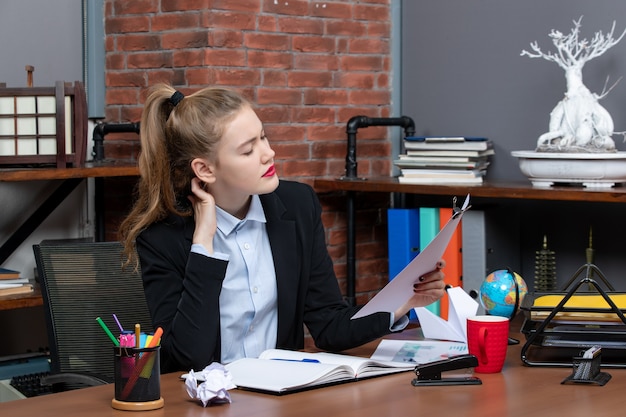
461, 306
417, 351
400, 289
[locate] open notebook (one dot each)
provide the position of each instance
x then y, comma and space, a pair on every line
282, 371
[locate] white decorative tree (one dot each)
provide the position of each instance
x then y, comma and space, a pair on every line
578, 123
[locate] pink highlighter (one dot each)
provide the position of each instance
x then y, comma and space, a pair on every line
127, 339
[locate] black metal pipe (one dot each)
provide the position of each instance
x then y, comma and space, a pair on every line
102, 129
354, 124
357, 122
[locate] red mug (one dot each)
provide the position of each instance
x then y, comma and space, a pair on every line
487, 339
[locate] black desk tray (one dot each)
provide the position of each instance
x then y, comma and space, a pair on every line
566, 331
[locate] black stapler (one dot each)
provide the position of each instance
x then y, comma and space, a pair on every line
430, 373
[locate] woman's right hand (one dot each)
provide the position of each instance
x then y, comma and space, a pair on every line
204, 214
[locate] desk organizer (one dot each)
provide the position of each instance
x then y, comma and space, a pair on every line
43, 125
587, 371
583, 317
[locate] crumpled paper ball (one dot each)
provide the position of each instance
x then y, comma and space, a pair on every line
214, 383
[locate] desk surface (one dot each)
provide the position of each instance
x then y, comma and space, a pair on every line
516, 391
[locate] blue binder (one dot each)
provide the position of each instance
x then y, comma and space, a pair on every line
403, 231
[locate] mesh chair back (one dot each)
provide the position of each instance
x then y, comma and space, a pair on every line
81, 281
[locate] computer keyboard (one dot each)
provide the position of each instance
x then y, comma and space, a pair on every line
30, 385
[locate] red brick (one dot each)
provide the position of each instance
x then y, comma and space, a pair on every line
226, 38
225, 58
200, 76
280, 133
331, 9
289, 151
309, 79
350, 28
362, 80
376, 97
313, 44
125, 79
371, 12
150, 60
361, 63
267, 41
272, 78
182, 5
174, 21
240, 5
327, 132
270, 59
368, 46
278, 96
287, 7
310, 114
166, 75
229, 20
237, 77
273, 114
188, 58
326, 97
180, 40
121, 96
126, 24
316, 62
300, 25
140, 42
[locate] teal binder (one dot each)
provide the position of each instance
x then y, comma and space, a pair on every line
429, 228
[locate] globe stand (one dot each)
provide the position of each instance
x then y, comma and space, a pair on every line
513, 341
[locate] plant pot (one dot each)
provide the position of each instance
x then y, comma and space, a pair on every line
598, 170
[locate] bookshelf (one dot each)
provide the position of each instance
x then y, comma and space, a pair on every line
515, 193
488, 190
69, 178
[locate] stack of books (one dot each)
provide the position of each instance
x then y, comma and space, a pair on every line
11, 283
444, 160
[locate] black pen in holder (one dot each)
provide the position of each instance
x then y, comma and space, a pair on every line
586, 369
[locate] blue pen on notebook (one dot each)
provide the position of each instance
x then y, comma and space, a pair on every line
297, 360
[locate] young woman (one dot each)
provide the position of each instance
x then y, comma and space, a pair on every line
234, 260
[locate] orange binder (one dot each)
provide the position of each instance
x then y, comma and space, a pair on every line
454, 260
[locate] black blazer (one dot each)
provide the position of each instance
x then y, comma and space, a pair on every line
182, 288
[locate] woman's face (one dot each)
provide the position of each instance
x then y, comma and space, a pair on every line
245, 160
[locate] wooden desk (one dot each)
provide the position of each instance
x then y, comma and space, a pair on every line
517, 391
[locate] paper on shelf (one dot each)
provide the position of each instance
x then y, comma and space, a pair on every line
400, 289
461, 306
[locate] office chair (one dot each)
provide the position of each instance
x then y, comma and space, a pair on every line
81, 281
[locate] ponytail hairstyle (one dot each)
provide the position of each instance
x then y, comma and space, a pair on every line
174, 130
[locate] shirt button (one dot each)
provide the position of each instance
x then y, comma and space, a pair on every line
246, 246
255, 290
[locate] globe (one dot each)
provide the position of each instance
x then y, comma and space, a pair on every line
498, 293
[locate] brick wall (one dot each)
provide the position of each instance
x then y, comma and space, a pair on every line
308, 66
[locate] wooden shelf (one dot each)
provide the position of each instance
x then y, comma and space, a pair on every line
91, 170
509, 190
10, 302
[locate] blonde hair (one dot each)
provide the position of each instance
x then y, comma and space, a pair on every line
173, 132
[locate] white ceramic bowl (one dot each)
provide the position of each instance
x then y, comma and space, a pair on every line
544, 169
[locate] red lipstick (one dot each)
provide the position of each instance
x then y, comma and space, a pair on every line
270, 172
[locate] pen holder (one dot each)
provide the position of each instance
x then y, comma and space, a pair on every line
137, 379
587, 371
